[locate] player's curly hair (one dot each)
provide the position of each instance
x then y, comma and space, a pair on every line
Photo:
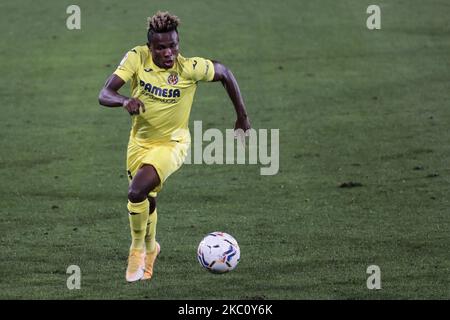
161, 22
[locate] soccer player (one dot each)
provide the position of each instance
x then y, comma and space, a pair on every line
163, 84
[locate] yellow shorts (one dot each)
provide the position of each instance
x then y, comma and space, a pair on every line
165, 157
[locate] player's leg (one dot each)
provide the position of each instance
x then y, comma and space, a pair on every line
138, 206
145, 180
167, 158
163, 160
152, 247
150, 233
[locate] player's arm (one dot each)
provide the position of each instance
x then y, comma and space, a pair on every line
109, 96
224, 75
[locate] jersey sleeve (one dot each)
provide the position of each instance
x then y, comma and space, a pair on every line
200, 69
128, 66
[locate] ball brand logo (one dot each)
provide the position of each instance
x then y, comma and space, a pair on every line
157, 91
172, 79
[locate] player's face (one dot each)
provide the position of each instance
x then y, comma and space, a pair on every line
164, 49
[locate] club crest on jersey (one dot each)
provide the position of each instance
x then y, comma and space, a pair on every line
172, 79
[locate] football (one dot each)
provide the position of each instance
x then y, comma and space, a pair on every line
218, 252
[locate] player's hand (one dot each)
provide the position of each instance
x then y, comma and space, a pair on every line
132, 105
242, 128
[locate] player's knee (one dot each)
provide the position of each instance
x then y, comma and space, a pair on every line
152, 204
135, 195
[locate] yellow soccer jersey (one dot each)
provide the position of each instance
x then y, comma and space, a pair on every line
167, 94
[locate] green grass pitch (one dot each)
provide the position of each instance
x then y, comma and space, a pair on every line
352, 105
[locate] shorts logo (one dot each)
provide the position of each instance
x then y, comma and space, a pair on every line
172, 79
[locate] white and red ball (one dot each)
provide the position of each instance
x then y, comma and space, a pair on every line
218, 252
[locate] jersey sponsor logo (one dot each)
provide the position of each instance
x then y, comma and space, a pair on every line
159, 92
148, 69
172, 79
